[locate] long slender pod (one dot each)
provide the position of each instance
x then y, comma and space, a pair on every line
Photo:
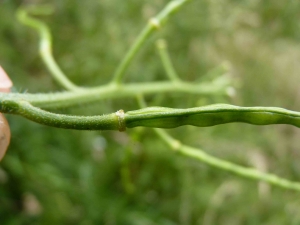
211, 115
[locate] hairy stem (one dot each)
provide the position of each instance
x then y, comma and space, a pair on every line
25, 109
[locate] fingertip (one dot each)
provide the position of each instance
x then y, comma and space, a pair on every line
4, 136
5, 85
5, 82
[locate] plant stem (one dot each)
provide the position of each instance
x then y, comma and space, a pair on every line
166, 60
159, 117
153, 24
216, 72
25, 109
46, 46
70, 98
225, 165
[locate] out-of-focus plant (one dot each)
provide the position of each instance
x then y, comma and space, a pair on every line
216, 82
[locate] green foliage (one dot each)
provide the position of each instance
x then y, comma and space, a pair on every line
52, 176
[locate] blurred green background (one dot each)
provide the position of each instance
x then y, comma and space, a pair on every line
55, 176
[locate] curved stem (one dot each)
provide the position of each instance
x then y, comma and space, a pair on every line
200, 155
25, 109
46, 47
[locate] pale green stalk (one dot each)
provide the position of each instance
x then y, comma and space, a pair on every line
71, 98
166, 60
216, 72
153, 24
200, 155
46, 46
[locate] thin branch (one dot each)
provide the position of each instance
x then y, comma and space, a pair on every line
166, 60
216, 72
153, 24
70, 98
200, 155
45, 45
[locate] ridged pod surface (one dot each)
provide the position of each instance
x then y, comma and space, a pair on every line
211, 115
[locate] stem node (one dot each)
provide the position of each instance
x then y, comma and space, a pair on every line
121, 118
155, 23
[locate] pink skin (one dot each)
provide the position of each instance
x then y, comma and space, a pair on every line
5, 85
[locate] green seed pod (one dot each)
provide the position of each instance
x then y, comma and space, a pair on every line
209, 116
